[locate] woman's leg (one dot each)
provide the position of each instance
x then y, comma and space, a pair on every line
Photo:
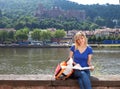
77, 75
83, 79
80, 83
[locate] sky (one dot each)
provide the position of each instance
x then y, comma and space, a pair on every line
96, 1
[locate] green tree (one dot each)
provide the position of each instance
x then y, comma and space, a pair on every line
36, 34
26, 21
85, 25
118, 37
3, 35
11, 35
92, 39
19, 25
100, 21
93, 26
59, 34
4, 21
99, 39
25, 30
0, 13
21, 36
46, 35
66, 26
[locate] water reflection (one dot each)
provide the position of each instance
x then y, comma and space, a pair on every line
108, 60
44, 60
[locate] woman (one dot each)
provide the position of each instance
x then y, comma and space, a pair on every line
82, 55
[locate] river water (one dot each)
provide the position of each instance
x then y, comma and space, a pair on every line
44, 60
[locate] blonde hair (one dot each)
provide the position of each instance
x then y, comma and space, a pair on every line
77, 36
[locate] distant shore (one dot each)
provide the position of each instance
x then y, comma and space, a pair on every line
34, 46
56, 46
105, 45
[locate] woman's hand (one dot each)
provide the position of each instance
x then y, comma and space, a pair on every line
91, 68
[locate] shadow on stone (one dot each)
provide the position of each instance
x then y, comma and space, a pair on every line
93, 78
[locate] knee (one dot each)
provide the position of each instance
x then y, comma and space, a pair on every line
77, 73
83, 73
80, 74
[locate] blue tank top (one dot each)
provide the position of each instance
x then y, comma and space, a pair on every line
81, 58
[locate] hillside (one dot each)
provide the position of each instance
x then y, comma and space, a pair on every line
13, 11
20, 6
28, 7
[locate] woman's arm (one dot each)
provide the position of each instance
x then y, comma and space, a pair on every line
89, 61
71, 54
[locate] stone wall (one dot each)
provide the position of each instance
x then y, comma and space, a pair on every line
48, 82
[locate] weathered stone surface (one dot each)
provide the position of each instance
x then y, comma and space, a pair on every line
26, 77
48, 82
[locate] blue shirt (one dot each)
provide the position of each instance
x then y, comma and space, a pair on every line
81, 58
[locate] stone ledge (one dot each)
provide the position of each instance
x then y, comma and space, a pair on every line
48, 82
26, 77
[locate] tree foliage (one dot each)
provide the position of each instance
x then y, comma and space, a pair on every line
3, 36
19, 14
21, 35
59, 34
36, 34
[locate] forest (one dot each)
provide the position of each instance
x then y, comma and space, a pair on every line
19, 14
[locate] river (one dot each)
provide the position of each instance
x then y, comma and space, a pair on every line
44, 60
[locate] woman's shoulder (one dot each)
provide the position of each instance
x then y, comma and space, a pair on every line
89, 47
72, 47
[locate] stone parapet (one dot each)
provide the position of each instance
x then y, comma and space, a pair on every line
48, 82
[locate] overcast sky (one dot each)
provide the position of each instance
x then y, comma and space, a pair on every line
96, 1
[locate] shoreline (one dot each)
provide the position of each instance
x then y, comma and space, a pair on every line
57, 46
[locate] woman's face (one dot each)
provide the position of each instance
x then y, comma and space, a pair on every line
81, 40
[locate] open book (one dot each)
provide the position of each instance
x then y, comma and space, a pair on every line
78, 67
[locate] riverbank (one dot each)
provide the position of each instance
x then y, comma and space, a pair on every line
104, 45
56, 46
48, 82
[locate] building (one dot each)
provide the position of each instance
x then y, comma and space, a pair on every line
58, 13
